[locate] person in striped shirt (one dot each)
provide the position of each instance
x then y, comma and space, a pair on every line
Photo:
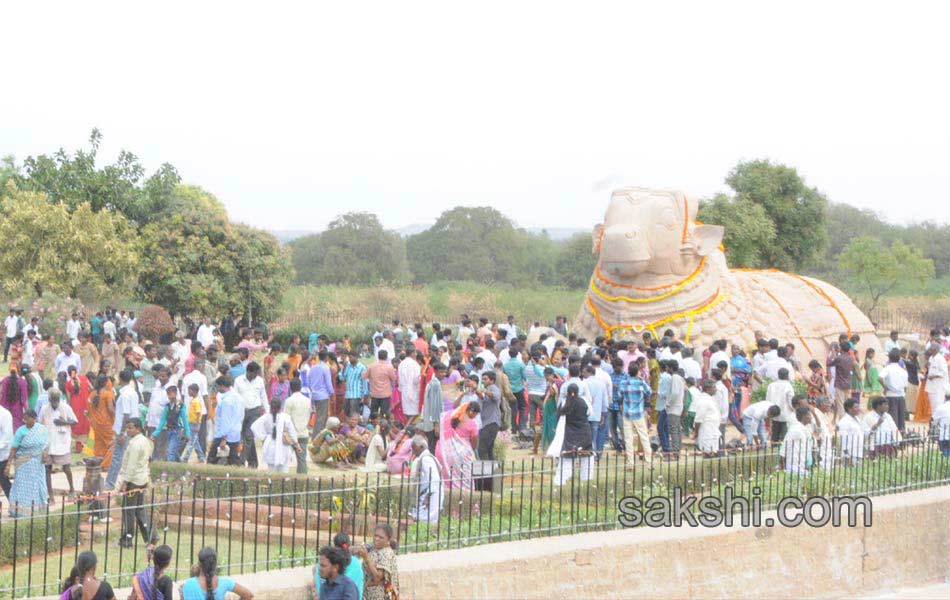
357, 388
633, 392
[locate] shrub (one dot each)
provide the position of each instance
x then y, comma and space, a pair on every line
154, 322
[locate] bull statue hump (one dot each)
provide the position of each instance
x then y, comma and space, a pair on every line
658, 269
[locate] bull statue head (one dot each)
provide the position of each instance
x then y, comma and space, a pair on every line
652, 232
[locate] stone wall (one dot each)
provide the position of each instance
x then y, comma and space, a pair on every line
907, 545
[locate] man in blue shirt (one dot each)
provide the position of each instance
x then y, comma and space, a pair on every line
336, 585
614, 415
357, 388
599, 401
320, 382
633, 391
229, 418
662, 400
515, 370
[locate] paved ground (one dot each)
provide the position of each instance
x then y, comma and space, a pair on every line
937, 590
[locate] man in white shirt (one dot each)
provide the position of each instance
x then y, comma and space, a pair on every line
706, 420
297, 407
891, 343
487, 355
409, 374
251, 388
34, 325
126, 407
853, 432
198, 377
156, 408
10, 325
6, 445
386, 343
938, 383
29, 349
205, 333
719, 355
67, 358
182, 349
58, 418
510, 329
894, 379
940, 425
583, 390
72, 327
690, 366
780, 393
721, 396
674, 408
109, 328
796, 449
600, 401
883, 429
754, 418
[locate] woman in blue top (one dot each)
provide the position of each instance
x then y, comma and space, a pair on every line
29, 491
207, 585
354, 570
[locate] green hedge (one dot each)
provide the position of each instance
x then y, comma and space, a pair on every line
25, 537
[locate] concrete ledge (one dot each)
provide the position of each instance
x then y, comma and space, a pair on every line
907, 545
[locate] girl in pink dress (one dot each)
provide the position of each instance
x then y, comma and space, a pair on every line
456, 446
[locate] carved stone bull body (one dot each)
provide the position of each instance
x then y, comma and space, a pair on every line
658, 269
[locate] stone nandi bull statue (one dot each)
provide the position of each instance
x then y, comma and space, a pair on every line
658, 269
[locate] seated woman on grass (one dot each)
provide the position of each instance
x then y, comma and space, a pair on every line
329, 446
356, 437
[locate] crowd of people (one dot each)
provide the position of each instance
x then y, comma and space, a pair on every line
429, 402
343, 572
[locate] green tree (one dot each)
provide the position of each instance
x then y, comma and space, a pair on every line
477, 244
575, 261
876, 270
74, 179
749, 230
50, 249
197, 262
264, 271
796, 211
354, 250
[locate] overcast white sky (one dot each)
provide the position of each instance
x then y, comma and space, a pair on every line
294, 113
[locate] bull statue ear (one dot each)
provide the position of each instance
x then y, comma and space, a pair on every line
707, 238
598, 234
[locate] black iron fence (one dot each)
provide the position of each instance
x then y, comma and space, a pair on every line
259, 521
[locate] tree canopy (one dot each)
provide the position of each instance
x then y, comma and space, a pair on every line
112, 227
749, 230
355, 249
877, 269
48, 248
797, 212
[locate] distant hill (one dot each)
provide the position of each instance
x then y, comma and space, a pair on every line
556, 233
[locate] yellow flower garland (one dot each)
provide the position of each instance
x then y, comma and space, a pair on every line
639, 328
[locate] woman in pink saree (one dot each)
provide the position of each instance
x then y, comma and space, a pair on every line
400, 451
456, 446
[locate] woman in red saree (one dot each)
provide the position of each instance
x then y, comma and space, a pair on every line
77, 390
